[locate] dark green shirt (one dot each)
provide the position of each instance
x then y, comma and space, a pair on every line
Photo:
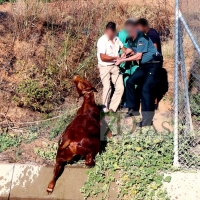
142, 44
129, 69
123, 35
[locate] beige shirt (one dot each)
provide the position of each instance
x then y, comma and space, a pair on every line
106, 46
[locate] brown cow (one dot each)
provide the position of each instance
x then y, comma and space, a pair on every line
82, 136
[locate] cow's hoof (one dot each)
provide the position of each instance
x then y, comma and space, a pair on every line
109, 135
90, 163
49, 190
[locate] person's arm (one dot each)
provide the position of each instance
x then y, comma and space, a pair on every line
155, 45
135, 57
127, 52
142, 47
106, 58
123, 55
123, 49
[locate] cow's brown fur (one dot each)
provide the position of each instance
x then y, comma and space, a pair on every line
82, 136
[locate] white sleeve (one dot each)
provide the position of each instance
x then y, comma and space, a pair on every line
101, 46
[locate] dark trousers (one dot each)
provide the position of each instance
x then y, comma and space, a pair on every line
137, 97
146, 77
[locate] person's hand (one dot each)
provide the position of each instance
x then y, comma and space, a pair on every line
123, 55
119, 61
115, 59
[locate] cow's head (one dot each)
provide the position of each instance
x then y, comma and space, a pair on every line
83, 86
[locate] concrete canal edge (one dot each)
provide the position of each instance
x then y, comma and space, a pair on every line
29, 182
19, 181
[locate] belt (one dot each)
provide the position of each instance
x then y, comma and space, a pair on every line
105, 65
153, 61
150, 62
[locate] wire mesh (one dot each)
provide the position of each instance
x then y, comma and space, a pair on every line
189, 84
66, 32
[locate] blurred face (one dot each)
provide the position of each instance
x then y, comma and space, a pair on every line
131, 30
127, 28
141, 28
110, 33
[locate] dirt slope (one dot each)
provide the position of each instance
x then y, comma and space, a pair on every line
8, 77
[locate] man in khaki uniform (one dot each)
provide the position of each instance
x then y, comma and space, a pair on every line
108, 47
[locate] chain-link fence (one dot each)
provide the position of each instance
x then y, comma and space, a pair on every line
29, 129
187, 84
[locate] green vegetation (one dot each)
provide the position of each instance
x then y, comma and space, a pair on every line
43, 92
46, 131
188, 156
3, 1
56, 40
30, 137
48, 153
136, 164
53, 41
195, 105
7, 141
60, 126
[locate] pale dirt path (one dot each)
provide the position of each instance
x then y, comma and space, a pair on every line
183, 186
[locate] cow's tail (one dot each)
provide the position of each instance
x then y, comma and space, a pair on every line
65, 145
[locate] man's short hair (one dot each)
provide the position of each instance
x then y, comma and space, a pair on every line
112, 26
130, 22
143, 22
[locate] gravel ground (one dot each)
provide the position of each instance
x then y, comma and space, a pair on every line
184, 186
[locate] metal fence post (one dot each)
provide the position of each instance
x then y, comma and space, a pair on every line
186, 94
180, 16
187, 84
176, 162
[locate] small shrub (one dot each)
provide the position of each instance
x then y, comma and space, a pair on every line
194, 103
30, 136
3, 1
48, 153
43, 92
60, 126
59, 39
7, 141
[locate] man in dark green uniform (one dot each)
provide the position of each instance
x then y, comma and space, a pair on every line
145, 75
127, 68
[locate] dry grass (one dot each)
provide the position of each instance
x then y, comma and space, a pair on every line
70, 28
168, 49
59, 38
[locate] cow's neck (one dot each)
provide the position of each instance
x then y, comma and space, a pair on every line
89, 98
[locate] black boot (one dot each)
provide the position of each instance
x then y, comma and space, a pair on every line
145, 122
132, 113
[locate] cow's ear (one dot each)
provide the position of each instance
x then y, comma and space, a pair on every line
94, 89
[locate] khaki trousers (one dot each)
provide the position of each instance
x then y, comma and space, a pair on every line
112, 73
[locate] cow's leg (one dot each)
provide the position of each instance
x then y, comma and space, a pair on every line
61, 158
89, 161
90, 157
58, 169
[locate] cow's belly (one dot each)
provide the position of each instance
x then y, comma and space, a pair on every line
84, 125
